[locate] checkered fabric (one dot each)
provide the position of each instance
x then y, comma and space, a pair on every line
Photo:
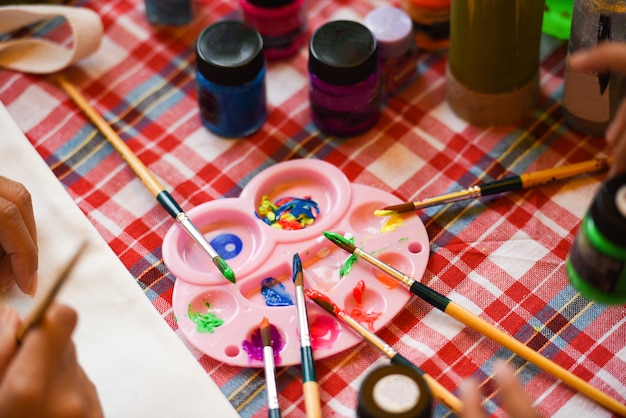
501, 257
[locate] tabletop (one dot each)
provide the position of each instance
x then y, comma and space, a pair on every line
501, 257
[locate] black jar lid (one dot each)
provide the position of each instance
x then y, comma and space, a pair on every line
342, 52
229, 53
270, 4
608, 209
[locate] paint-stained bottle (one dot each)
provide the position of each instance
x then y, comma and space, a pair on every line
230, 75
596, 264
281, 23
344, 84
590, 100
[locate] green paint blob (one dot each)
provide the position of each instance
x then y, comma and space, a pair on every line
205, 322
347, 266
225, 269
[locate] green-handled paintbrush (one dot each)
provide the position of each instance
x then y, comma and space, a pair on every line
310, 387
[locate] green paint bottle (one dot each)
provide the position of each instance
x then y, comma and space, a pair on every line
596, 264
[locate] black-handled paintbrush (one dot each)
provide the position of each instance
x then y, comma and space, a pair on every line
509, 184
464, 316
439, 392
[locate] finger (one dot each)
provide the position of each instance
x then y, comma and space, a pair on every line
18, 243
606, 57
44, 347
472, 400
9, 324
16, 192
91, 394
514, 399
617, 127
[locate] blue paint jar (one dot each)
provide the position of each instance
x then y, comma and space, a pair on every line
169, 12
230, 76
344, 83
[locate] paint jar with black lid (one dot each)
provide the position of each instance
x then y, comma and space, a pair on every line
230, 76
169, 12
344, 84
394, 391
596, 264
281, 23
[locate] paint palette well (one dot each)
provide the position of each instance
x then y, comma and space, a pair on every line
222, 319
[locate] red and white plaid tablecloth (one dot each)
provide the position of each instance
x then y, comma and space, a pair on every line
500, 257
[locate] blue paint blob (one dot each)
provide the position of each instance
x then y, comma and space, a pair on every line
274, 293
227, 245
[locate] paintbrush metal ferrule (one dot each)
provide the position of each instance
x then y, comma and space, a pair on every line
197, 236
470, 192
303, 330
367, 335
270, 369
329, 306
384, 267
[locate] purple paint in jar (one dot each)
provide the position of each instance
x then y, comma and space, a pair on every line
344, 80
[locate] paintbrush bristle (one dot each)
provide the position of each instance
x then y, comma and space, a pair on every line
323, 301
298, 277
266, 334
340, 241
395, 209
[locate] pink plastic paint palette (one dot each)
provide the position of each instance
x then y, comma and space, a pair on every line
258, 251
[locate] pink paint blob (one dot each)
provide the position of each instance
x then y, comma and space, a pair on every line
324, 331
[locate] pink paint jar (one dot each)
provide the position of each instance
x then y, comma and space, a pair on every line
281, 23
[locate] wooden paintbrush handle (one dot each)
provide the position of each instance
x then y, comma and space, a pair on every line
120, 146
443, 395
522, 350
438, 391
312, 404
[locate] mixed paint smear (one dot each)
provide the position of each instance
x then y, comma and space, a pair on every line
289, 213
254, 345
275, 293
205, 322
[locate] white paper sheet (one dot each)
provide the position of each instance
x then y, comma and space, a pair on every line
139, 365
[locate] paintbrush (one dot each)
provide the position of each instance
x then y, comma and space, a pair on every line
147, 178
464, 316
439, 391
273, 409
36, 316
310, 386
509, 184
